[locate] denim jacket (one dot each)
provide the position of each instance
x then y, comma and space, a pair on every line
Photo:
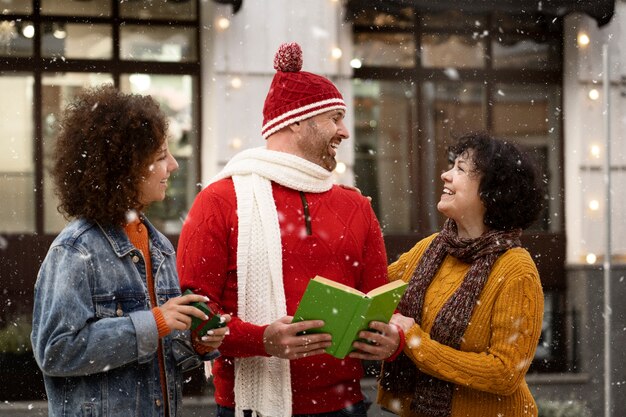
94, 336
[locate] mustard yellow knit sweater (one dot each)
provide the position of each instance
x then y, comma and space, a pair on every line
498, 346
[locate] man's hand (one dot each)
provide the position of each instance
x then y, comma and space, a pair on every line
177, 311
383, 342
353, 188
281, 339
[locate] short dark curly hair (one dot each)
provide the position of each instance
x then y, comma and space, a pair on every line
511, 187
107, 140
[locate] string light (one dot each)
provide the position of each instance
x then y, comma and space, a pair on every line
223, 23
595, 151
591, 258
341, 168
28, 31
336, 53
594, 205
236, 143
236, 82
356, 63
583, 39
594, 94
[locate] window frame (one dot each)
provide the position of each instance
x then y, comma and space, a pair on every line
38, 65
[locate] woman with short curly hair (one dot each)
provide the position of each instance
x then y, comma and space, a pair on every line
109, 322
106, 143
472, 313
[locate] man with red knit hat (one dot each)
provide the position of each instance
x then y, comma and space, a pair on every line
254, 238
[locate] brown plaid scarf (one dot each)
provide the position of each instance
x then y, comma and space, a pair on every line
433, 396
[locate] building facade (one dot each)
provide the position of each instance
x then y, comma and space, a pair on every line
414, 74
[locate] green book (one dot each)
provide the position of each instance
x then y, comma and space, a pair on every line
345, 310
201, 327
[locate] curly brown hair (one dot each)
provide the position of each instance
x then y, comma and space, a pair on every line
106, 142
511, 185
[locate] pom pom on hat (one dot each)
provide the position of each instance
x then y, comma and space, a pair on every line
296, 95
288, 58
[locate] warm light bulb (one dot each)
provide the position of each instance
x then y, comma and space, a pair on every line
594, 94
59, 33
583, 39
591, 258
236, 143
223, 23
140, 82
236, 82
336, 53
340, 168
356, 63
28, 31
595, 151
594, 205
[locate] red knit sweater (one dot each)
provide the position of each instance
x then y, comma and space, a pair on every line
345, 245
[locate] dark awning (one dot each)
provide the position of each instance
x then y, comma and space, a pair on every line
601, 10
235, 3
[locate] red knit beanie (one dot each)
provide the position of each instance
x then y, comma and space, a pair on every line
296, 95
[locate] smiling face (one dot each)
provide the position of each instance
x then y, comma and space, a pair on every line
154, 183
460, 199
319, 138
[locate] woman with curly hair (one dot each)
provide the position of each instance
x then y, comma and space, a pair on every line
473, 309
109, 322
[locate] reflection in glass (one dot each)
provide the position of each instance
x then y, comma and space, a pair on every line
528, 114
158, 43
99, 8
73, 40
371, 17
516, 52
452, 51
175, 96
452, 21
16, 38
448, 110
17, 168
16, 6
382, 150
159, 9
385, 49
56, 92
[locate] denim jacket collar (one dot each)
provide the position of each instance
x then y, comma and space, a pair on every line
121, 244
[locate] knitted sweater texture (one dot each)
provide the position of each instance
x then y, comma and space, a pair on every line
498, 346
345, 245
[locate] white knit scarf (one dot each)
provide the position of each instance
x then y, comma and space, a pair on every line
263, 384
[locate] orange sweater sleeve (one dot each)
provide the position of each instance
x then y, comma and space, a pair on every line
162, 326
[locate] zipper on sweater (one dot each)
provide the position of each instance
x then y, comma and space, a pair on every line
307, 216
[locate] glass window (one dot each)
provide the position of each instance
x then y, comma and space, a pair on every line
528, 115
73, 40
402, 19
447, 110
517, 52
452, 21
384, 123
16, 38
16, 6
100, 8
159, 9
385, 49
158, 43
175, 95
57, 90
17, 168
452, 51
